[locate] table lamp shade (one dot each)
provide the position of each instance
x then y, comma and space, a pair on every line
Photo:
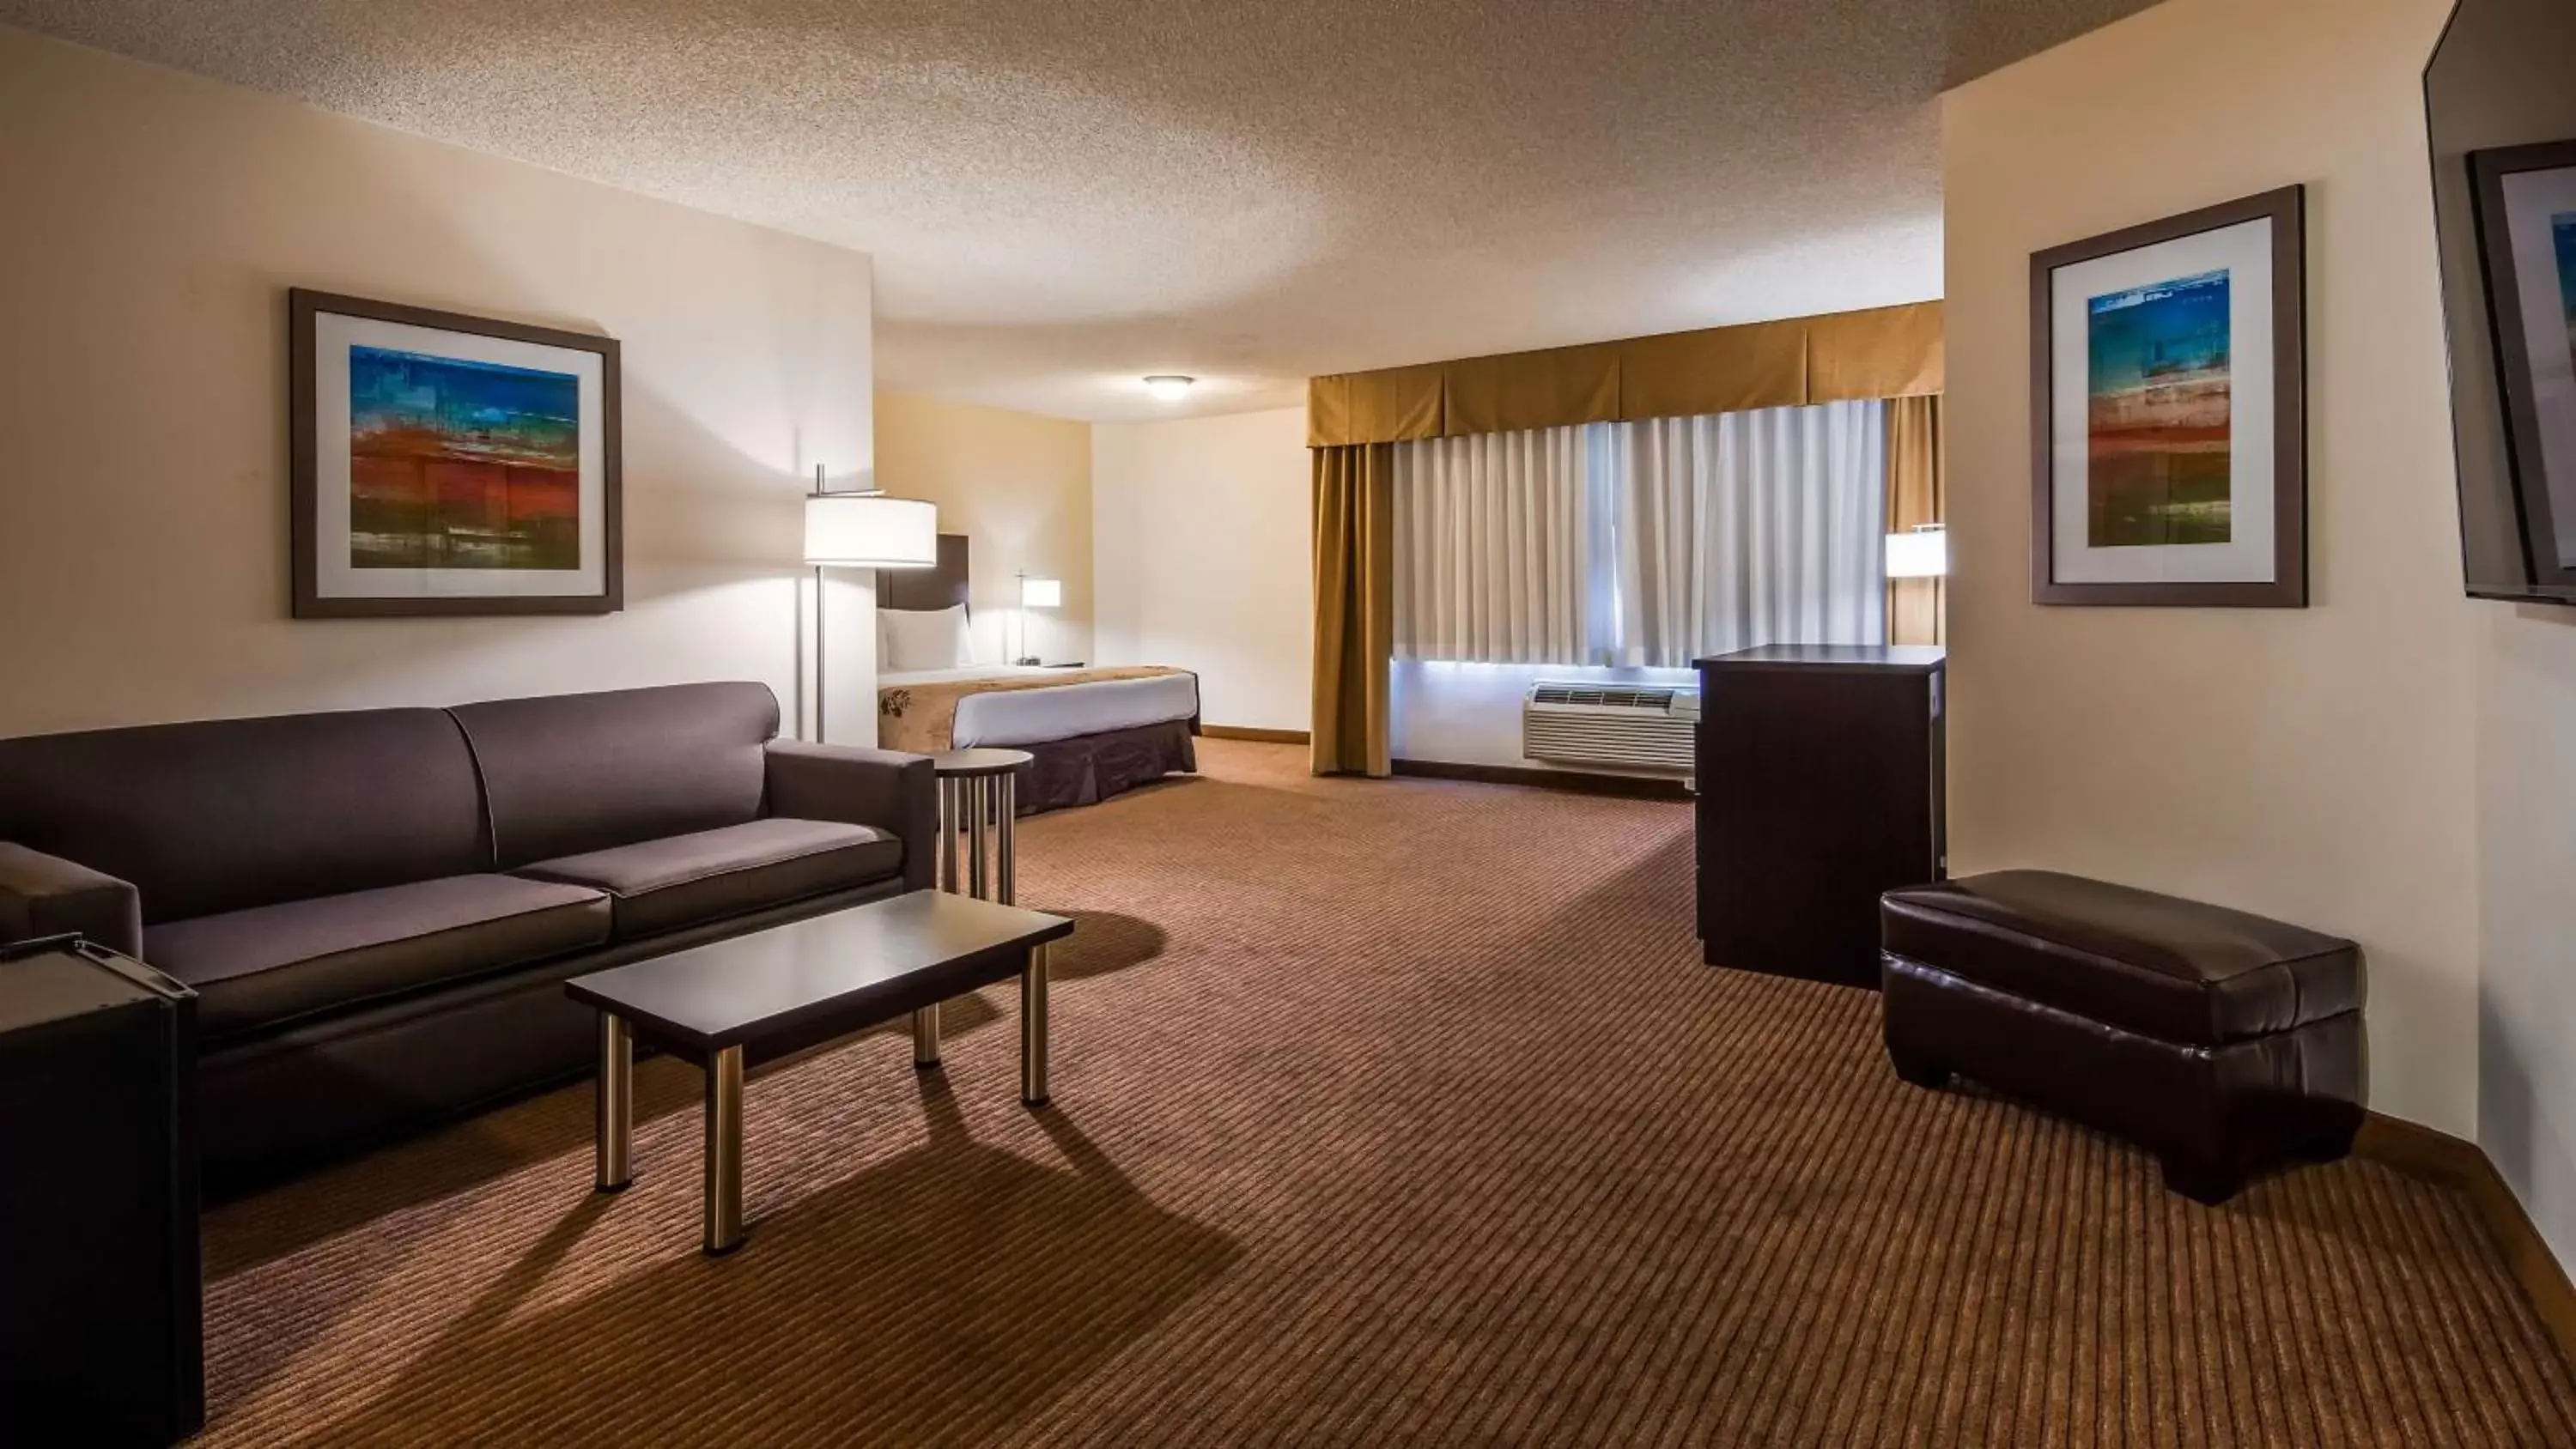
871, 531
1041, 593
1922, 554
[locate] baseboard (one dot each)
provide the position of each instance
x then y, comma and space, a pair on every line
2422, 1152
1632, 787
1253, 732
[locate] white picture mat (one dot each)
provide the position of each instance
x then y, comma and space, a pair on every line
2531, 200
2244, 252
333, 336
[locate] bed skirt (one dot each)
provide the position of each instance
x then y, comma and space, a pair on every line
1088, 769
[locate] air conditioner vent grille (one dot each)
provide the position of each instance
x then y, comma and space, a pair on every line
1625, 727
1607, 696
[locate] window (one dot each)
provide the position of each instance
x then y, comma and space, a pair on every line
1646, 543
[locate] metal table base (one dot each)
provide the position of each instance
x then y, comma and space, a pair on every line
979, 805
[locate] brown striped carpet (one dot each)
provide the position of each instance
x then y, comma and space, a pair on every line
1393, 1113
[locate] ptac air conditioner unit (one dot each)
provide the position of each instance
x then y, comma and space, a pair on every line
1611, 726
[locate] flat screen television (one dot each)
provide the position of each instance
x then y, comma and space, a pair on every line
2501, 112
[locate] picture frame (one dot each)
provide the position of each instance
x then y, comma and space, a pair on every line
2169, 411
2525, 203
442, 464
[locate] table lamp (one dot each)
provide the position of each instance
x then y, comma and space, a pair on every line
1036, 593
1923, 553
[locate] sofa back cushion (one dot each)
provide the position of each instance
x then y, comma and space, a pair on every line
572, 773
225, 815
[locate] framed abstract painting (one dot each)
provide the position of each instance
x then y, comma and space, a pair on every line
2527, 231
2168, 412
445, 464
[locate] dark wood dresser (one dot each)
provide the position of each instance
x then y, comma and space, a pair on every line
99, 1297
1820, 785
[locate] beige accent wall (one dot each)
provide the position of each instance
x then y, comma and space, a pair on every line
2318, 765
1202, 529
150, 224
1018, 485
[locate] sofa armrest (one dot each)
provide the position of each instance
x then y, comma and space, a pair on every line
885, 789
46, 895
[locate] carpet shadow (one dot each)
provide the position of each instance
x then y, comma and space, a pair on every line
1199, 791
1662, 882
1103, 942
500, 1139
1036, 1273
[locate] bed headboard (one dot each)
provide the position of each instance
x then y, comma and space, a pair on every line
935, 587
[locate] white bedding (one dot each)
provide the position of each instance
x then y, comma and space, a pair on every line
1035, 716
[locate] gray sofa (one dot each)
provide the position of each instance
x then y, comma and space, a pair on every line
377, 908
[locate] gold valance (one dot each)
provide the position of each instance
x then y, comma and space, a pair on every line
1715, 370
1882, 352
1495, 394
1390, 405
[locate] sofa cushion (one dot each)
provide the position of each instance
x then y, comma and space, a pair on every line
224, 815
574, 773
661, 885
272, 964
2161, 966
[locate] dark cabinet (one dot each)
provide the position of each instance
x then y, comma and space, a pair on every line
99, 1295
1820, 785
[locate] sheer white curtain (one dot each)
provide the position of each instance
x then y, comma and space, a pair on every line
1741, 529
1496, 537
1643, 544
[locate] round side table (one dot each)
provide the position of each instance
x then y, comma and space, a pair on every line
978, 789
977, 792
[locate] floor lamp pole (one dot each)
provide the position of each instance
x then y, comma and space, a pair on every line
820, 737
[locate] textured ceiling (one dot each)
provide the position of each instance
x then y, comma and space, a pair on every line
1063, 195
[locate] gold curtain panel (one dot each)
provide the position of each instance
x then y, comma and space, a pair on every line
1917, 609
1354, 607
1883, 352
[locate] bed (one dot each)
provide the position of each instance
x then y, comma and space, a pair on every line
1093, 733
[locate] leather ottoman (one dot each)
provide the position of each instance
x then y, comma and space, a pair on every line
2223, 1042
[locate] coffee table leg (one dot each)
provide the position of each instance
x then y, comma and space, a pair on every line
925, 1036
724, 1152
1033, 1028
616, 1104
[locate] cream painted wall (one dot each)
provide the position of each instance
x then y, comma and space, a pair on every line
1200, 529
2527, 859
153, 224
2507, 88
2318, 765
1018, 485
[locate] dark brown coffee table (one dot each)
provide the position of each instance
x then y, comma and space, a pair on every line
796, 986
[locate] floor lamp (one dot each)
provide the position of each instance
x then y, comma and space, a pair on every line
861, 529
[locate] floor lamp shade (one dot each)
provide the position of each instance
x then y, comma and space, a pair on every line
870, 531
1041, 593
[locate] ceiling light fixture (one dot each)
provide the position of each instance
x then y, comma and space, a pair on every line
1169, 386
